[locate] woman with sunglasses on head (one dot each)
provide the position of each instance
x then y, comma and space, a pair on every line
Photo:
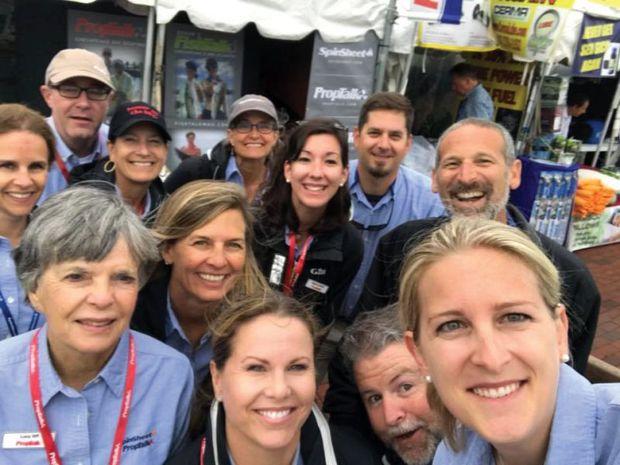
137, 146
204, 235
26, 154
304, 242
242, 158
256, 408
482, 307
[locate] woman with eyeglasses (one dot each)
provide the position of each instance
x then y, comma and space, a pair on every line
26, 153
242, 158
304, 242
138, 146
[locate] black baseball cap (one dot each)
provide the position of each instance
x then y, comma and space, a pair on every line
130, 113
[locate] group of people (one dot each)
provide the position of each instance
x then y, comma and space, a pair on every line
201, 319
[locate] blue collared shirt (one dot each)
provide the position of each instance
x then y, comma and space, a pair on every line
199, 357
232, 173
147, 200
13, 294
584, 430
55, 180
409, 198
85, 421
477, 103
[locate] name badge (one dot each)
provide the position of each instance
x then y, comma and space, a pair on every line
277, 268
317, 286
23, 440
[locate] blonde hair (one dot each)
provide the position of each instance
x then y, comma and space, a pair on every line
459, 234
198, 203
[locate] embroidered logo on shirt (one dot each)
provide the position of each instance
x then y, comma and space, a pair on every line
318, 271
139, 441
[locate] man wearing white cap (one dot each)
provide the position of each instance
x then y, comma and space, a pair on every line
77, 90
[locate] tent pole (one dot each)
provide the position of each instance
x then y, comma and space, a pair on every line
614, 106
405, 80
384, 46
148, 56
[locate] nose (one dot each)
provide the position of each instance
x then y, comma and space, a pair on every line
316, 169
23, 179
217, 257
278, 387
393, 411
384, 141
468, 172
82, 99
490, 351
101, 293
142, 147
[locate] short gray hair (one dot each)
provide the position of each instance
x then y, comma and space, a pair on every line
371, 333
81, 223
509, 145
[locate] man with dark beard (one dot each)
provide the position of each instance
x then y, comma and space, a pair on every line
376, 388
384, 193
475, 170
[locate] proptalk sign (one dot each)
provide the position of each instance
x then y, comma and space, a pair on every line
598, 50
341, 78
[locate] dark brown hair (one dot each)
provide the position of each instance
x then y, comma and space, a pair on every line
17, 117
392, 101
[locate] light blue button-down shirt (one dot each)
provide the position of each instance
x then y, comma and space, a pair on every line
584, 430
199, 357
55, 179
232, 173
477, 103
85, 421
409, 198
13, 294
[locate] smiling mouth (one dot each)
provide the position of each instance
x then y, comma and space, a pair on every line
96, 323
212, 278
20, 195
142, 164
275, 414
470, 196
313, 188
498, 392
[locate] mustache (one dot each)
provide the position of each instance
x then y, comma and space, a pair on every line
460, 187
407, 426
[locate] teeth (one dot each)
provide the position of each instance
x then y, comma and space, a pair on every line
212, 277
96, 323
142, 163
496, 393
314, 188
469, 195
20, 195
274, 414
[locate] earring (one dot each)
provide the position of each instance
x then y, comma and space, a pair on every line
428, 379
565, 358
288, 181
341, 184
109, 166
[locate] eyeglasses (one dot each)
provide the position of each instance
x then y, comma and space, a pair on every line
245, 127
92, 93
381, 223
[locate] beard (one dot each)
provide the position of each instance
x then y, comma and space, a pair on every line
413, 454
489, 210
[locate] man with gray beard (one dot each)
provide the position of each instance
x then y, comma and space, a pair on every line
376, 370
476, 168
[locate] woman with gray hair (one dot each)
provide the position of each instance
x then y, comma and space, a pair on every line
84, 388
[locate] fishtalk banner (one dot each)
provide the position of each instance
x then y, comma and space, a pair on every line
598, 48
341, 78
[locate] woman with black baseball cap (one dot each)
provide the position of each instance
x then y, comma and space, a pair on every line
138, 145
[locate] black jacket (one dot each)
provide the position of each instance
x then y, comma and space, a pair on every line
331, 264
202, 167
149, 316
348, 448
579, 291
94, 173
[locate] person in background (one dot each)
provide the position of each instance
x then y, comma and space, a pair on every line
384, 193
204, 231
476, 101
375, 379
138, 146
257, 406
84, 388
243, 156
193, 96
26, 154
191, 149
577, 104
476, 169
123, 85
77, 90
494, 356
214, 90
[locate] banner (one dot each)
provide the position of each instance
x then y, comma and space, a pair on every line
120, 41
203, 78
609, 9
341, 78
473, 34
445, 11
529, 29
598, 48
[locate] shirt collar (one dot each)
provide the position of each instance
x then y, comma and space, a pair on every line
172, 324
147, 200
232, 173
65, 152
355, 189
113, 373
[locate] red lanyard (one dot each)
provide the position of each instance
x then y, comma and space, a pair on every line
203, 447
294, 269
37, 403
62, 167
